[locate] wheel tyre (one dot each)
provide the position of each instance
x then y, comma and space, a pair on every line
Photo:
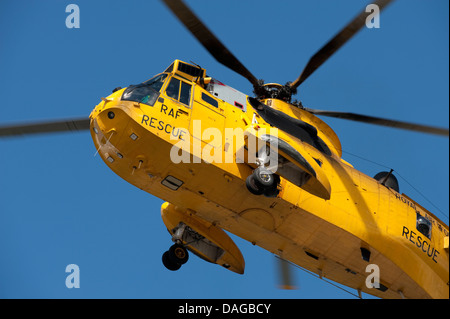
252, 187
271, 191
168, 263
263, 177
178, 254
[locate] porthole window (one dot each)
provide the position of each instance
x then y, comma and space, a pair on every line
423, 225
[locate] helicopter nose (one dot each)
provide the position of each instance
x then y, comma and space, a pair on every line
108, 102
106, 126
108, 119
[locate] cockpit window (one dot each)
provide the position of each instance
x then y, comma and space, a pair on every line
140, 93
146, 92
156, 82
173, 89
179, 90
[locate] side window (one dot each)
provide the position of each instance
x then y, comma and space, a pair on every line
173, 88
210, 100
185, 93
179, 90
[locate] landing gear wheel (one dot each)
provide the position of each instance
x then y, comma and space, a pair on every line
178, 254
263, 181
264, 177
252, 186
273, 191
168, 263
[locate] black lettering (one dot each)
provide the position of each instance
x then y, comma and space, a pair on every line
145, 119
168, 132
163, 108
428, 251
160, 125
405, 232
171, 112
434, 256
177, 114
176, 134
423, 246
411, 237
151, 122
419, 241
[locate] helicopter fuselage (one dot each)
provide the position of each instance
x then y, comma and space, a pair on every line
336, 231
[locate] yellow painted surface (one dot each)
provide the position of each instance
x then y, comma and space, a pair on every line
232, 258
323, 236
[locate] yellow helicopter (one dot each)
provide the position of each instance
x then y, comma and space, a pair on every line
310, 207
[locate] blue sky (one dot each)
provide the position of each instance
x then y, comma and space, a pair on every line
61, 205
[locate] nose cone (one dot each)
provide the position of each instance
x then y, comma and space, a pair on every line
108, 120
109, 101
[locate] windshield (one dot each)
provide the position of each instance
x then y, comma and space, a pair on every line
146, 92
156, 82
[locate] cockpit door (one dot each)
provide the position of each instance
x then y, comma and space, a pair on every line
207, 123
176, 103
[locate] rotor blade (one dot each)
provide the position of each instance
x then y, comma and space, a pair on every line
335, 43
208, 39
45, 127
382, 121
